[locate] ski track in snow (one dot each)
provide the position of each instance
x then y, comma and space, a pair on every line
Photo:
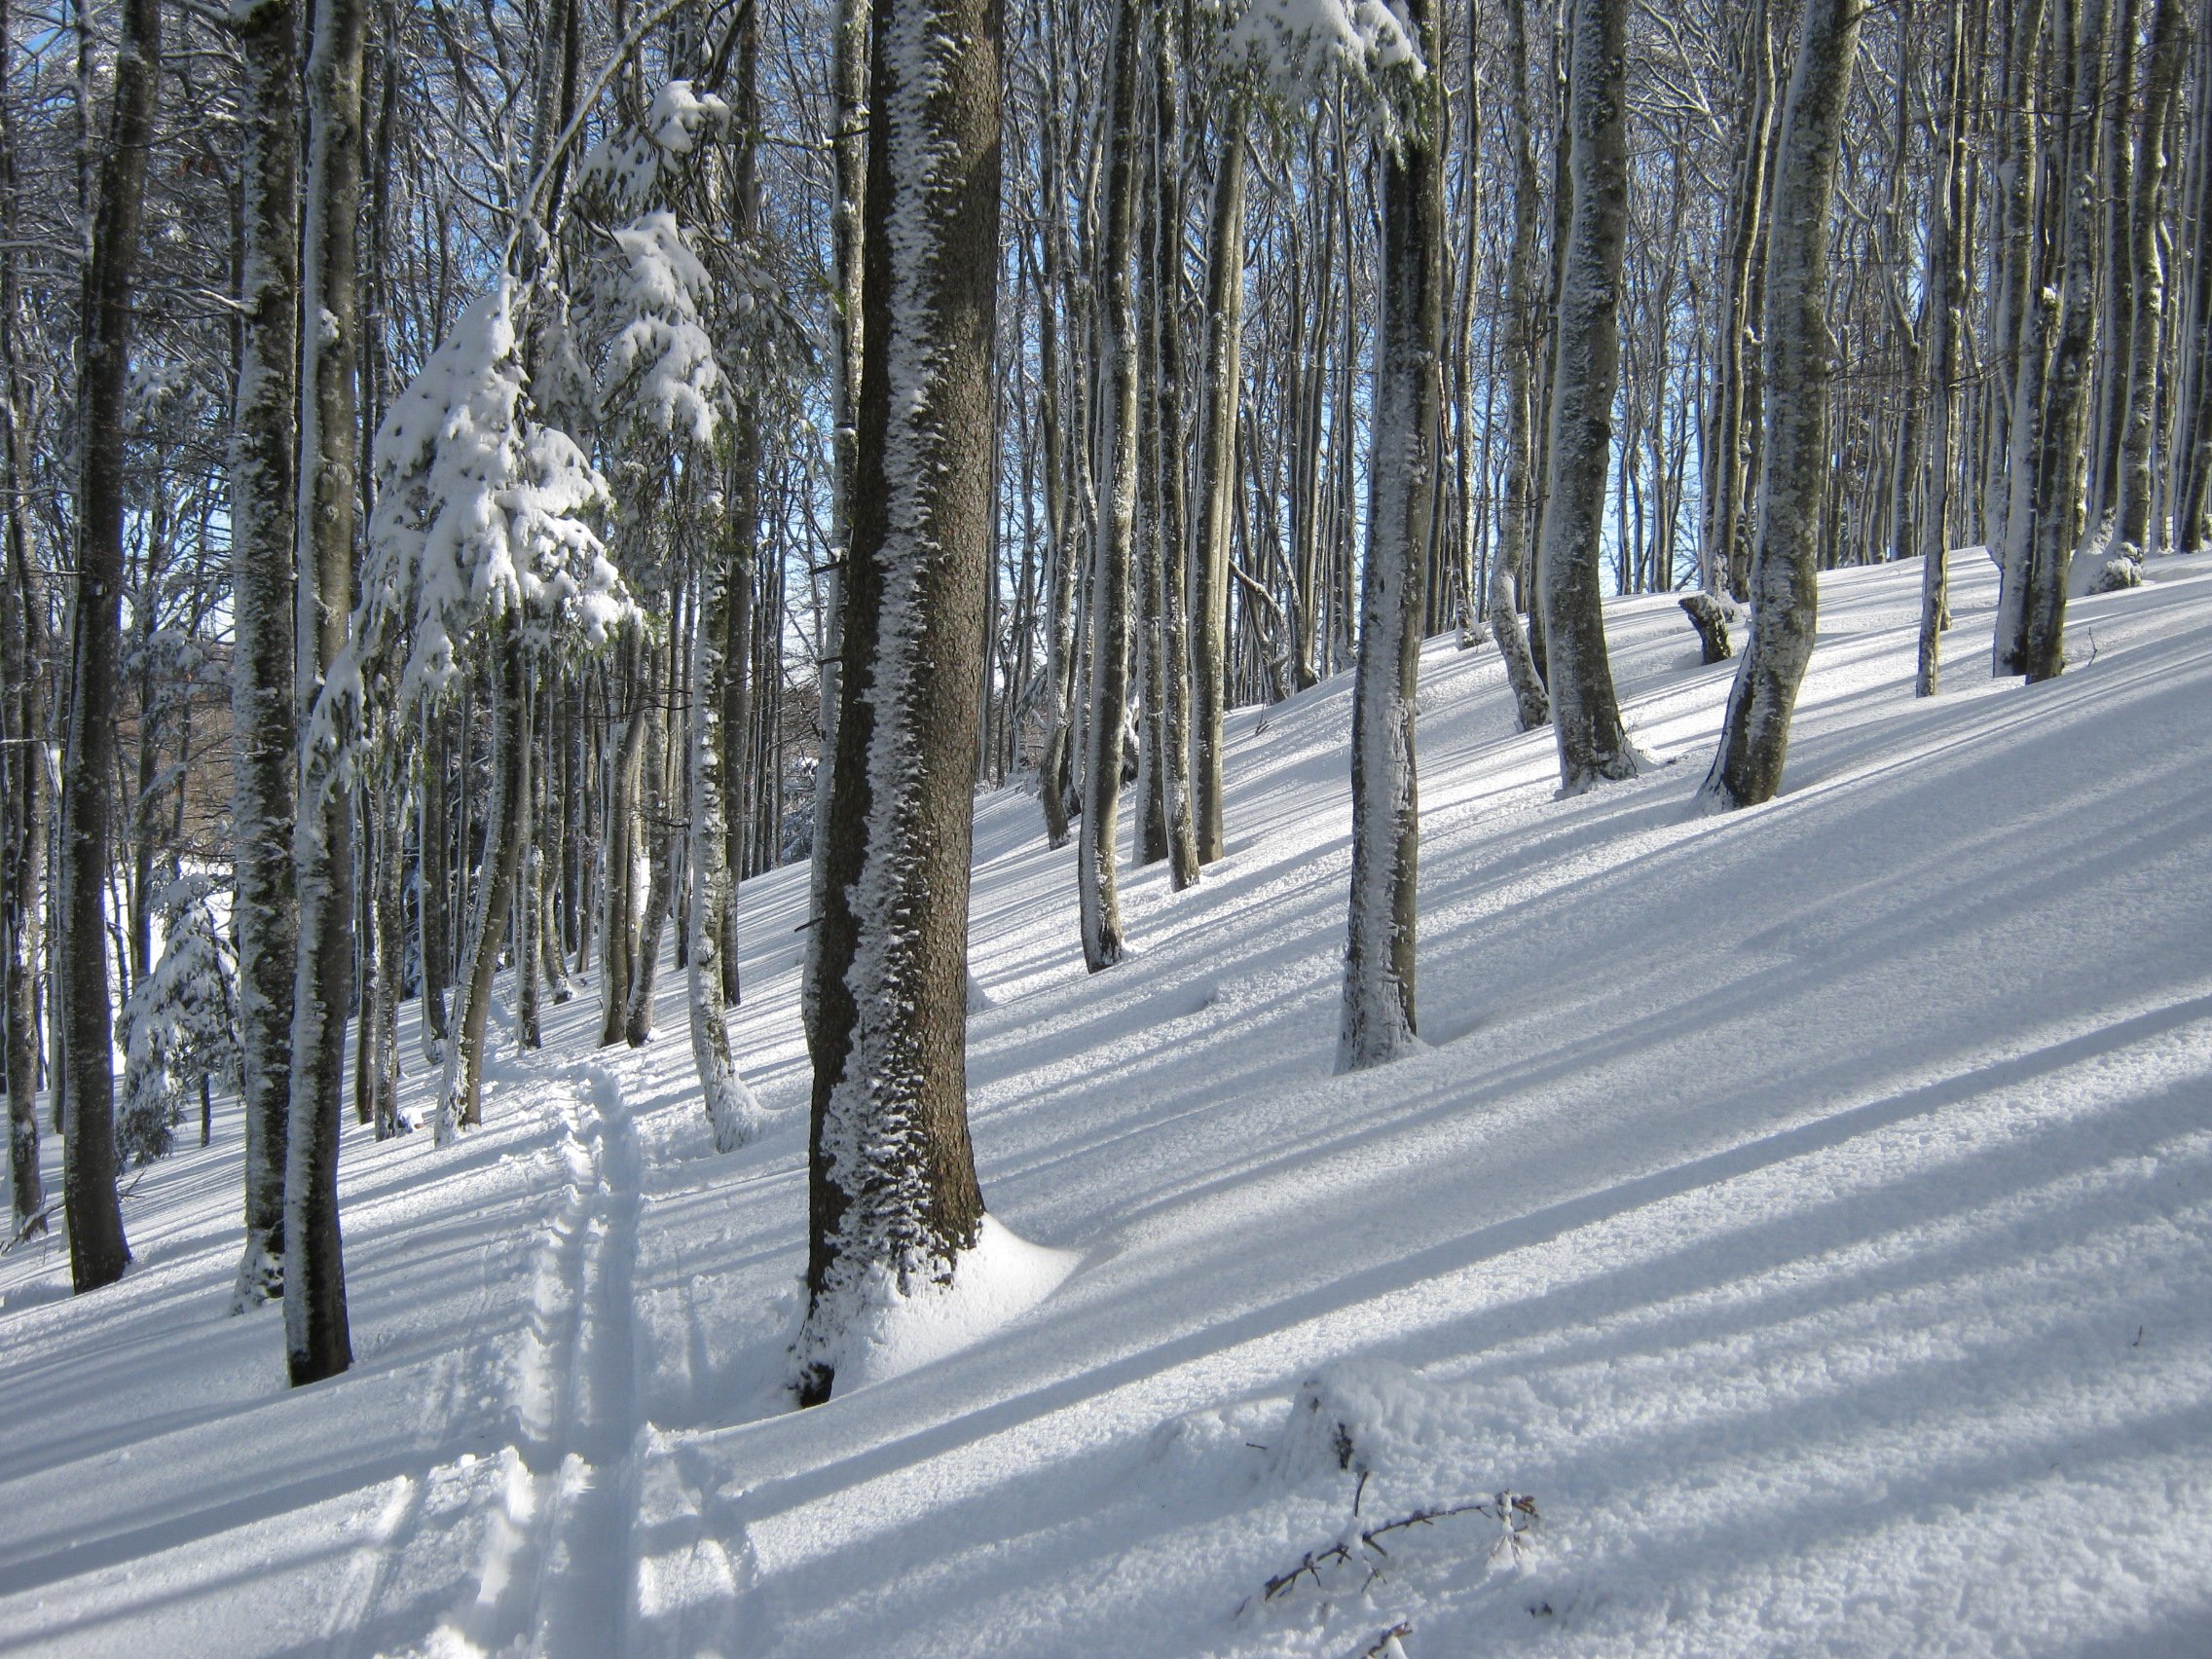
554, 1573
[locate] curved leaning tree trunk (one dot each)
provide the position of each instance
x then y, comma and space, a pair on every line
1096, 884
1532, 704
894, 1202
1800, 354
1379, 1018
264, 504
1586, 714
316, 1340
97, 1250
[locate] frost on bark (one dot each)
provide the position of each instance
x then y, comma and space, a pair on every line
850, 70
1379, 1016
97, 1250
433, 882
1800, 354
263, 511
1217, 480
316, 1341
1532, 704
1096, 884
1585, 373
894, 1201
731, 1108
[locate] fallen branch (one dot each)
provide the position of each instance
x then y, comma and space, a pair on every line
1514, 1512
1383, 1641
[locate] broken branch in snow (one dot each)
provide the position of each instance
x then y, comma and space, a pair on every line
1388, 1640
1515, 1513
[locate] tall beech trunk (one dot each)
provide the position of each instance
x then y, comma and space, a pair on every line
23, 672
264, 527
316, 1340
1725, 547
850, 71
1586, 371
1096, 884
434, 881
2056, 526
893, 1198
97, 1250
2172, 22
731, 1109
459, 1096
1945, 286
1172, 526
1800, 361
1379, 1014
660, 861
1509, 569
1217, 480
618, 928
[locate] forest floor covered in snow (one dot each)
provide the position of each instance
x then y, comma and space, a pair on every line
1810, 1210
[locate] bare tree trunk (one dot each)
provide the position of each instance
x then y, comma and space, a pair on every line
459, 1096
264, 507
1095, 887
434, 881
1800, 360
1217, 478
619, 930
316, 1340
24, 673
1508, 570
1172, 529
97, 1250
2058, 519
2171, 24
893, 1198
731, 1108
1585, 713
1378, 1016
1727, 480
1945, 286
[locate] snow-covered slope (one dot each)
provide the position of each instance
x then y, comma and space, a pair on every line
1811, 1210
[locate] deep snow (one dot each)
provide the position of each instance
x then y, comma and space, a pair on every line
1810, 1209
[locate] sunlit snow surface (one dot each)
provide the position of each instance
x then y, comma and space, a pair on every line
1811, 1210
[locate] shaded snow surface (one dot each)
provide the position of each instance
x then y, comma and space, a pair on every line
1811, 1210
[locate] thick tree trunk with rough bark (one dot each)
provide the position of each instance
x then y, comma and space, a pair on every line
1586, 371
1379, 1020
1800, 360
97, 1251
264, 509
894, 1199
2057, 524
316, 1340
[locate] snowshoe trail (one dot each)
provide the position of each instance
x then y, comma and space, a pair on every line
555, 1578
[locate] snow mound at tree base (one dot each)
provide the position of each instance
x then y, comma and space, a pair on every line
997, 1282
